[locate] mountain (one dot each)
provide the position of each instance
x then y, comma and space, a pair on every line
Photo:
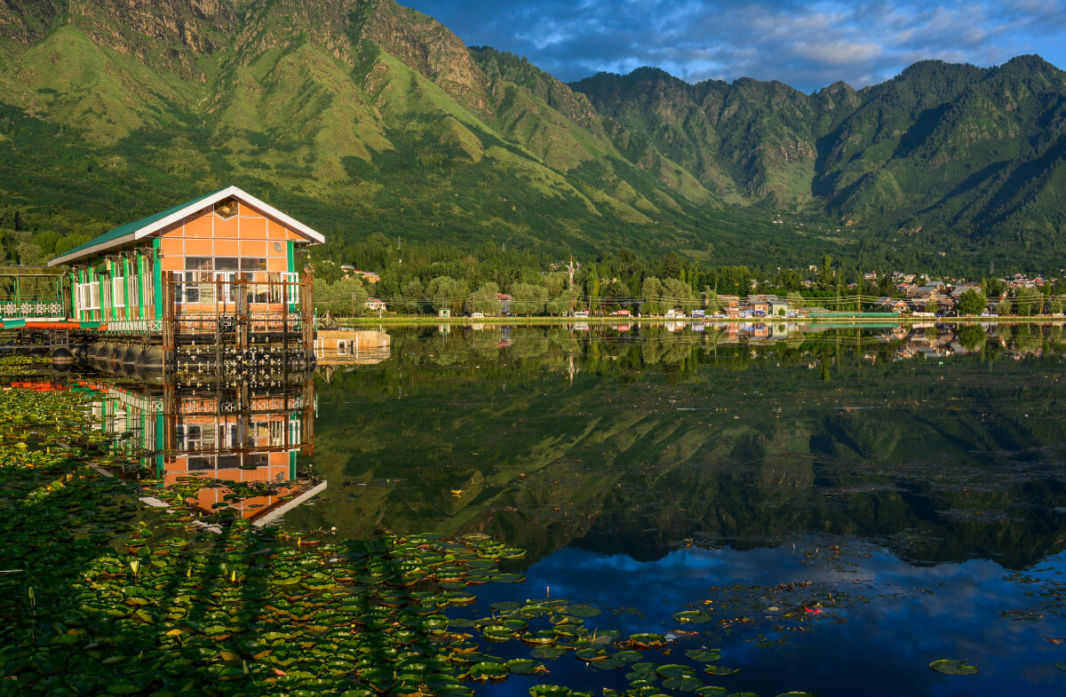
943, 154
363, 117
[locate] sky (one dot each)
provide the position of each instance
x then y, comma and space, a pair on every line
804, 44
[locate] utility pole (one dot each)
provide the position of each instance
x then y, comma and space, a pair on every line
571, 285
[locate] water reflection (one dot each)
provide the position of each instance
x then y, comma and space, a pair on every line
941, 442
242, 443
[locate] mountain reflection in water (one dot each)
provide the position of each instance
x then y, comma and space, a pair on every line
940, 442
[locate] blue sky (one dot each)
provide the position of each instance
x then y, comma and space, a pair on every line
805, 44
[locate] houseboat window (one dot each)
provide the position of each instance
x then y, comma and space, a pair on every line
226, 208
226, 264
250, 264
149, 287
229, 461
255, 460
198, 263
135, 287
118, 291
89, 296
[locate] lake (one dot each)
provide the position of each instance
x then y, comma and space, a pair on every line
822, 509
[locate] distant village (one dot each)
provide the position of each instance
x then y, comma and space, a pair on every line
915, 296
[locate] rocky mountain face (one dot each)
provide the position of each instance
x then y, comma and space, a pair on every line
363, 116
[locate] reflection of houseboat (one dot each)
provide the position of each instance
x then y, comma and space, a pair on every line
351, 346
236, 437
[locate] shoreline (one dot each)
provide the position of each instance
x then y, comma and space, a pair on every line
409, 320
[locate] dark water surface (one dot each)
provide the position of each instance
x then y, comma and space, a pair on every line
842, 506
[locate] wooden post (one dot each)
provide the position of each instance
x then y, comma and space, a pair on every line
169, 324
307, 319
241, 319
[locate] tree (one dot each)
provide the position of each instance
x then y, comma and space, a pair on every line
651, 291
529, 299
972, 302
677, 293
795, 300
485, 299
328, 271
413, 295
558, 306
825, 272
1028, 301
447, 292
994, 287
342, 297
1003, 307
711, 301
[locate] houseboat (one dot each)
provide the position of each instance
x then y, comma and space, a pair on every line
211, 285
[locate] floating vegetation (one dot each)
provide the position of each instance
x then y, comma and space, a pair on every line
22, 365
950, 666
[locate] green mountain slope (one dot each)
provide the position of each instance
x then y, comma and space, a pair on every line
360, 116
942, 156
364, 117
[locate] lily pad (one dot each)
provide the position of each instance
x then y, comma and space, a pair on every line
582, 610
523, 666
720, 670
487, 670
555, 691
950, 666
704, 655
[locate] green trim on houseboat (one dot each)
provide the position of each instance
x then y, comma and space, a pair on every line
157, 280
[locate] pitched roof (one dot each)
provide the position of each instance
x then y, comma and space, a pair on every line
139, 229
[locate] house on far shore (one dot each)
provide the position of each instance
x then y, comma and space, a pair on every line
886, 304
375, 305
768, 305
730, 304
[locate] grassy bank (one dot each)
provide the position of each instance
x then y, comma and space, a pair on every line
423, 320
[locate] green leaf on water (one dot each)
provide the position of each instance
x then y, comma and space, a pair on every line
675, 670
523, 666
582, 610
704, 655
487, 670
720, 670
555, 691
950, 666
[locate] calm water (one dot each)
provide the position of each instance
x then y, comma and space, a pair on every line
846, 505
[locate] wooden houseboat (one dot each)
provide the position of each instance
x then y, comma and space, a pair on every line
219, 270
